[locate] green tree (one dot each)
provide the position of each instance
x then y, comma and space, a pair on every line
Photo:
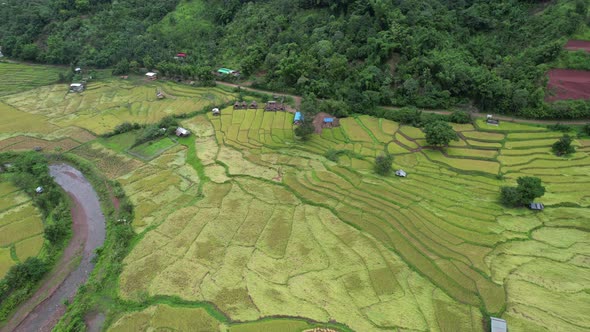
305, 129
530, 188
460, 117
563, 146
525, 192
383, 164
121, 68
54, 233
439, 133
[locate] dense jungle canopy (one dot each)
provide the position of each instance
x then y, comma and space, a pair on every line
493, 55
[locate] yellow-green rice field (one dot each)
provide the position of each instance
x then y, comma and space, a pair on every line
243, 227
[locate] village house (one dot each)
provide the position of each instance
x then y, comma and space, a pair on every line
151, 76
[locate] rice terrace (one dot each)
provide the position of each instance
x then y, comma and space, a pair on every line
241, 226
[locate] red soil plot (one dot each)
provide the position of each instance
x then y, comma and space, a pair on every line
575, 45
568, 84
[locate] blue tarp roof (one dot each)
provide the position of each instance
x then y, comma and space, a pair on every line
298, 116
329, 120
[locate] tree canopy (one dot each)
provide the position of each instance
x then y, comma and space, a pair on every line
439, 133
383, 164
524, 193
426, 53
563, 146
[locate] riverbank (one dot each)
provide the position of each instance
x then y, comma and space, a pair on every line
44, 309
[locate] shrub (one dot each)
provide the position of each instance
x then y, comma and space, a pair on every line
559, 127
460, 117
332, 155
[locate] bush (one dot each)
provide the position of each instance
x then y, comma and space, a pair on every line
407, 115
383, 164
56, 232
332, 155
586, 129
559, 127
27, 272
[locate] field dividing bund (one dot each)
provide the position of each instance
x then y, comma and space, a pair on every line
21, 227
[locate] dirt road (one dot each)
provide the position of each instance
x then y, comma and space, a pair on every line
246, 86
44, 309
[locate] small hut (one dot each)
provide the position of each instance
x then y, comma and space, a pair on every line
254, 105
76, 87
78, 70
270, 105
216, 111
401, 173
244, 105
298, 118
181, 132
537, 206
328, 122
39, 190
498, 325
151, 75
159, 94
180, 56
491, 121
226, 71
237, 105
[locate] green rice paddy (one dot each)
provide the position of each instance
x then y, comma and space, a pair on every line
21, 228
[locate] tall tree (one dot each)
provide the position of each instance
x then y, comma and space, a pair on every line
439, 133
563, 146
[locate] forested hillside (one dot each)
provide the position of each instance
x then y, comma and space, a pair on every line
427, 53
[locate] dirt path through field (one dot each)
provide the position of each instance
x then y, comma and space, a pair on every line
44, 309
246, 86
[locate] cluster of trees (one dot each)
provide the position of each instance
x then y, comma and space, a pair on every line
29, 171
427, 53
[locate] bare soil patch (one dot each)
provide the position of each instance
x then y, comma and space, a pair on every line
576, 45
318, 121
568, 84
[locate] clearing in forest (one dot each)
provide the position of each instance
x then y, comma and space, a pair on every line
568, 84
